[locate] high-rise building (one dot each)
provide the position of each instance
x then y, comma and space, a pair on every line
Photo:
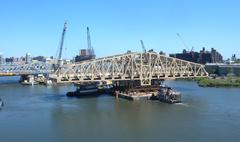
39, 58
201, 57
83, 56
234, 58
28, 58
1, 59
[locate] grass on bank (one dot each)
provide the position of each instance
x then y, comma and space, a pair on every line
225, 82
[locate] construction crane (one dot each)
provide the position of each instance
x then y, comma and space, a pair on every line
143, 47
90, 49
192, 49
88, 53
184, 44
61, 44
58, 63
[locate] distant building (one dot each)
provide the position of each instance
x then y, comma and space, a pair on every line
234, 58
188, 56
28, 58
10, 60
201, 57
39, 58
162, 53
223, 69
50, 60
1, 59
84, 55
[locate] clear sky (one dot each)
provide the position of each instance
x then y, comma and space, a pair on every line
116, 26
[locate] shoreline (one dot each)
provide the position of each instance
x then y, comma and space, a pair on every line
227, 82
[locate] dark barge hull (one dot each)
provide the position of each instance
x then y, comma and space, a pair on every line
84, 94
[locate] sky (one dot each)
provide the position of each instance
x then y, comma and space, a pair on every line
35, 26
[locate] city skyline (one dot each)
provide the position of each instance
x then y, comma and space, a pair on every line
116, 27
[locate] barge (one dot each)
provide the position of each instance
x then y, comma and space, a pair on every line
85, 90
91, 90
161, 93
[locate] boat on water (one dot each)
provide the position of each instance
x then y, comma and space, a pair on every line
168, 95
28, 80
91, 89
85, 90
25, 82
106, 87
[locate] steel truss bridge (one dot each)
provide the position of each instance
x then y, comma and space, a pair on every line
143, 67
25, 69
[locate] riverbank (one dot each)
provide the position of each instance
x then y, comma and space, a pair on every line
221, 82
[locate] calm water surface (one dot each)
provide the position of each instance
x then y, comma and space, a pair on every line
45, 114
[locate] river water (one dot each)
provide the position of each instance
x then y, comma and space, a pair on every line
45, 114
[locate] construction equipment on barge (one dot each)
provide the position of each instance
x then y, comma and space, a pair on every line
169, 95
152, 92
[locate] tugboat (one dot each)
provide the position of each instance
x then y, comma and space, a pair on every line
169, 95
107, 87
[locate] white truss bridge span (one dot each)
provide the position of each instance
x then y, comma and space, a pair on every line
144, 67
25, 69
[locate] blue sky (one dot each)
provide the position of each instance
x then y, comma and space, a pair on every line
116, 26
